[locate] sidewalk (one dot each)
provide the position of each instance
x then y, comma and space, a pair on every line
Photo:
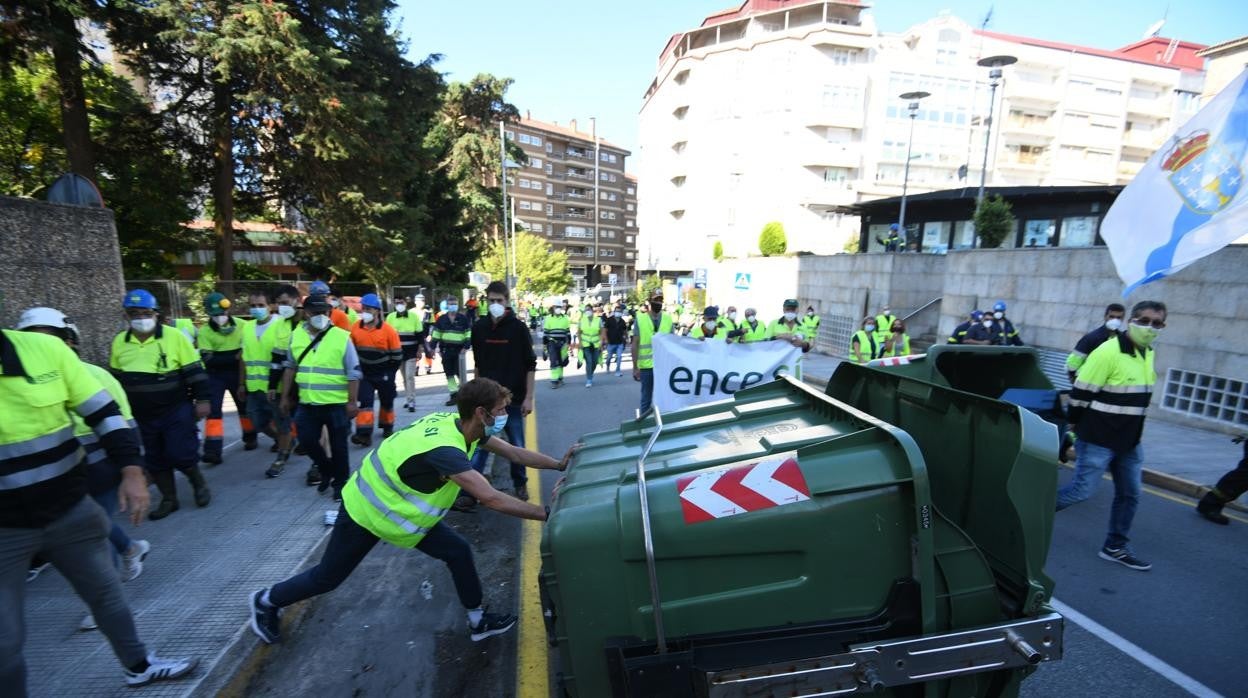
1178, 458
191, 598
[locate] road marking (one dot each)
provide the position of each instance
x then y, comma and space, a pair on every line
532, 667
1135, 652
1187, 502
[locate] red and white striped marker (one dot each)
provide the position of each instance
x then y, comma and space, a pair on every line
723, 493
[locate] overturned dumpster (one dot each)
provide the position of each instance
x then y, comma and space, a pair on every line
885, 537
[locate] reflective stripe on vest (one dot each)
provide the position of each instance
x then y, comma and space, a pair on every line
376, 497
321, 377
258, 354
592, 333
645, 333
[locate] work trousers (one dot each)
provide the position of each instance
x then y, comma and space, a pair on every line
615, 351
220, 383
1126, 467
350, 542
266, 413
514, 431
591, 355
1231, 485
76, 545
383, 385
557, 350
309, 420
647, 389
170, 439
451, 357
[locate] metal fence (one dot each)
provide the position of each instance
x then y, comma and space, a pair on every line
834, 334
185, 299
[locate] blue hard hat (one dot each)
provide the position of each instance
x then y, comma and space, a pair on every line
998, 306
977, 314
319, 287
139, 298
370, 300
894, 226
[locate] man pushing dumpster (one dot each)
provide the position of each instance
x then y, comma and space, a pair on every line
400, 494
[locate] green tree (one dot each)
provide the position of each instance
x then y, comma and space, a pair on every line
772, 241
994, 221
651, 285
717, 250
539, 270
141, 178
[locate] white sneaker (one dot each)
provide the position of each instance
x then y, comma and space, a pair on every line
618, 374
331, 517
132, 560
88, 623
159, 669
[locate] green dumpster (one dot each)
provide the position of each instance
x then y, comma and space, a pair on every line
888, 536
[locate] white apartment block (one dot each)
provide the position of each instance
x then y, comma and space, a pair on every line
789, 110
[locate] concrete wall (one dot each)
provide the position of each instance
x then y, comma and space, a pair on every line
857, 285
66, 257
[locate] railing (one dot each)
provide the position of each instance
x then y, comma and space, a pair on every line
656, 601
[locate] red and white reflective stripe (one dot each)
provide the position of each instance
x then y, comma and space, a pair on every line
895, 360
753, 487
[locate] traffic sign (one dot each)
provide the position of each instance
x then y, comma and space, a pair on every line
613, 279
722, 493
699, 278
742, 282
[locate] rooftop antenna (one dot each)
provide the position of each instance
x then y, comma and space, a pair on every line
987, 18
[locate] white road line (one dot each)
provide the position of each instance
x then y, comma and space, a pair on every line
1135, 652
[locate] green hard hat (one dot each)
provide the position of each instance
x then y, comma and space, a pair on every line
216, 303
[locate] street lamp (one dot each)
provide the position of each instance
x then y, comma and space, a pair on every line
913, 98
509, 247
994, 64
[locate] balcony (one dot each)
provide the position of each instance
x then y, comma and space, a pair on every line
1129, 168
1019, 92
581, 154
1028, 130
1026, 163
1160, 108
579, 234
825, 154
1147, 141
834, 116
569, 216
829, 194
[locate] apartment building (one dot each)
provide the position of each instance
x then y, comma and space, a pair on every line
789, 111
574, 192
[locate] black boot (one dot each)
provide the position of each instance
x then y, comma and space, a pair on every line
202, 494
1210, 507
168, 495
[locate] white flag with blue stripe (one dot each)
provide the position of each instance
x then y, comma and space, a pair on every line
1189, 199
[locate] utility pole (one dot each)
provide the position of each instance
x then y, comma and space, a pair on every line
502, 169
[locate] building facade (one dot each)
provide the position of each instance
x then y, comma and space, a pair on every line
789, 111
574, 192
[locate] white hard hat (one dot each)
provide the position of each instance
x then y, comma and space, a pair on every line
46, 317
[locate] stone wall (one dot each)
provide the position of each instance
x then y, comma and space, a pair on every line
66, 257
857, 285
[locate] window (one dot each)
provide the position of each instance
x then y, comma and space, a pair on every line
836, 176
549, 149
550, 209
549, 169
630, 255
608, 157
963, 235
525, 206
1078, 231
537, 140
606, 253
524, 138
550, 189
936, 236
511, 135
1038, 233
628, 239
628, 224
535, 162
536, 227
608, 234
630, 207
524, 183
607, 215
632, 191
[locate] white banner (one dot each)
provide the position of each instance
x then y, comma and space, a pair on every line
690, 372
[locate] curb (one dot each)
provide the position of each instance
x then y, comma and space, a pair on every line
1156, 478
230, 672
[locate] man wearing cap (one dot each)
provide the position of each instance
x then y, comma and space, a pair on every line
381, 354
221, 349
647, 325
789, 329
323, 366
168, 390
1007, 334
709, 328
960, 332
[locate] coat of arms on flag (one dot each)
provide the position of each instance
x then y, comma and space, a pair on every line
1204, 174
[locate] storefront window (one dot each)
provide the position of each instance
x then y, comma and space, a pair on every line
1078, 231
1039, 233
963, 235
936, 236
875, 233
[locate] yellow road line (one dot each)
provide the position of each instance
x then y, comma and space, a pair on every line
532, 668
1165, 495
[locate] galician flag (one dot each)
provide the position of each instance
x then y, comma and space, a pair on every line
1189, 199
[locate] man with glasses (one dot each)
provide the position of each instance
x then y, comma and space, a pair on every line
1107, 405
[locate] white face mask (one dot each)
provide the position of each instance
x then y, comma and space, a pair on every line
750, 318
497, 309
319, 322
558, 311
988, 323
366, 318
790, 316
221, 320
998, 315
710, 324
400, 308
334, 303
143, 325
618, 314
732, 316
286, 311
1113, 324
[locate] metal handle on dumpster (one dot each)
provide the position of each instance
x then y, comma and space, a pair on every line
646, 534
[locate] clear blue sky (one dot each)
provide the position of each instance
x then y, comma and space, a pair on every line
594, 58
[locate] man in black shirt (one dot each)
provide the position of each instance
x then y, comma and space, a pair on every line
502, 350
617, 337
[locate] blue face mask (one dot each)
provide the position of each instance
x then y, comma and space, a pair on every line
260, 313
497, 427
